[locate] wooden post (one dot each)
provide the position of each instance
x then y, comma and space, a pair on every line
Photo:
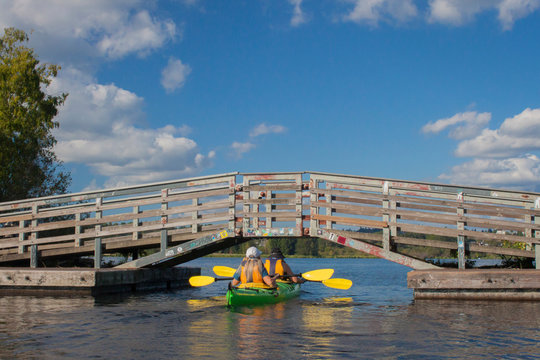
329, 210
246, 207
97, 242
298, 208
314, 210
268, 208
232, 203
22, 236
386, 240
135, 234
78, 241
195, 216
34, 256
461, 239
164, 219
537, 234
34, 236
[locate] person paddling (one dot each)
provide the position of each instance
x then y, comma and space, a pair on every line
275, 265
252, 270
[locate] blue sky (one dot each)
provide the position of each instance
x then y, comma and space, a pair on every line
434, 90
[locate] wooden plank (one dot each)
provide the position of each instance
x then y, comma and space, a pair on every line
275, 215
290, 201
498, 224
273, 187
474, 279
375, 250
348, 195
352, 221
123, 191
471, 246
350, 209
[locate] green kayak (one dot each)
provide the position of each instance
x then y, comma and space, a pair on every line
255, 295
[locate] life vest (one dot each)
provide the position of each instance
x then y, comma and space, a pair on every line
274, 266
255, 275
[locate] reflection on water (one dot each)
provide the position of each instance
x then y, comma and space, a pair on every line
376, 318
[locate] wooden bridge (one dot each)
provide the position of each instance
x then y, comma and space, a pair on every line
189, 218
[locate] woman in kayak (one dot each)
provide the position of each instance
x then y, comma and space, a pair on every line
276, 265
252, 270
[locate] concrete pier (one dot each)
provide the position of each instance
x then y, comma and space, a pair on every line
476, 284
91, 281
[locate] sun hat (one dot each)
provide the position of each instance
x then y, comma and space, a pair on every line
276, 252
253, 252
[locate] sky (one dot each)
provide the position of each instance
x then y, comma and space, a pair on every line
444, 91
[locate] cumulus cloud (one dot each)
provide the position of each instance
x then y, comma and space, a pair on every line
517, 135
239, 149
506, 156
458, 12
139, 34
102, 126
174, 75
299, 17
465, 125
263, 129
372, 11
521, 172
111, 28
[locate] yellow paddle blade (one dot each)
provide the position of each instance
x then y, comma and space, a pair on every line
342, 284
318, 275
223, 271
201, 280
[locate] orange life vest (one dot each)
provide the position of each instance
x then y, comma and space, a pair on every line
274, 266
255, 275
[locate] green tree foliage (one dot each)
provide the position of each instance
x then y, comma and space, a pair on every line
28, 165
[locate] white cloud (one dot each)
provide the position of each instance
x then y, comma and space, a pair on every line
458, 12
111, 28
101, 126
174, 74
139, 34
500, 157
516, 172
517, 135
465, 125
239, 149
263, 129
373, 11
299, 17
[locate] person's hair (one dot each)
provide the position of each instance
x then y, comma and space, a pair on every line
250, 265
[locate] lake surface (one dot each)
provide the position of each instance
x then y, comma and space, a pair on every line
376, 319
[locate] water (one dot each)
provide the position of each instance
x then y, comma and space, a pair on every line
376, 318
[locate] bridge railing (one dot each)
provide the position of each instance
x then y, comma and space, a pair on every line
272, 204
392, 213
117, 219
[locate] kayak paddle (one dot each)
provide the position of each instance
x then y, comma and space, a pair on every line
313, 275
223, 270
205, 280
342, 284
335, 283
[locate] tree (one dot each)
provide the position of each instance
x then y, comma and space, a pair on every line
28, 165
